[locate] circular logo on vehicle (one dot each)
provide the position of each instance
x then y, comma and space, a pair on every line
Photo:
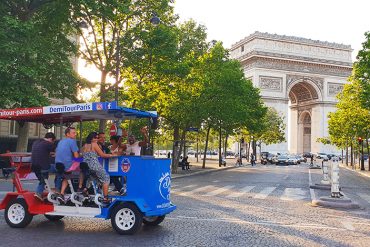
165, 185
125, 166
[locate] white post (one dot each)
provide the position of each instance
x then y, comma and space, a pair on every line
335, 178
325, 171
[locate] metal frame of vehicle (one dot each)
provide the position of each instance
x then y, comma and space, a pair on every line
147, 179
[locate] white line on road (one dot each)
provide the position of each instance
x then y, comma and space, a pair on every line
241, 192
291, 194
220, 190
312, 192
187, 193
364, 196
264, 193
238, 221
185, 187
348, 225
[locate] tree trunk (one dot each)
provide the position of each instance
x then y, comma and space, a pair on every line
23, 137
220, 147
346, 153
368, 151
248, 147
183, 139
205, 148
225, 147
103, 79
175, 160
351, 155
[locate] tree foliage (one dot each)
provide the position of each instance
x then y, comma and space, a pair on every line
35, 53
361, 71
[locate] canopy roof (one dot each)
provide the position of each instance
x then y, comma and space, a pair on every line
59, 114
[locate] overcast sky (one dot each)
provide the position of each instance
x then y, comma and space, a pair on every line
339, 21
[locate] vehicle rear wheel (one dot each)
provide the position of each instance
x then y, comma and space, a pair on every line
16, 214
54, 217
126, 218
153, 220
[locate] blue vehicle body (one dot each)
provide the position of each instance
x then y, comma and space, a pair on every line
148, 183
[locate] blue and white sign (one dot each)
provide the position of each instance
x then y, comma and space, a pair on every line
99, 106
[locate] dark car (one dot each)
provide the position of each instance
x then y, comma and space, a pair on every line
282, 160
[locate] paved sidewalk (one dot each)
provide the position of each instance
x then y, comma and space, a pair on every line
211, 166
357, 169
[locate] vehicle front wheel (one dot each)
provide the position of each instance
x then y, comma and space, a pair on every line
153, 220
126, 218
54, 217
16, 214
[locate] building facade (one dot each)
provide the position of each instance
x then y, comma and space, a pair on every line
300, 78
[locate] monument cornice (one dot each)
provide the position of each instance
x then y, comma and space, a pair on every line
281, 56
296, 66
292, 39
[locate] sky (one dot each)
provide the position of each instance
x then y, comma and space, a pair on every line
339, 21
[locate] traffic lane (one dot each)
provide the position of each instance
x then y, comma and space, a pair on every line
327, 225
296, 175
179, 231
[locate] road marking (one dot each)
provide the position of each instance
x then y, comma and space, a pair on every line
185, 187
348, 225
364, 196
220, 190
264, 193
312, 192
241, 192
187, 193
264, 223
291, 194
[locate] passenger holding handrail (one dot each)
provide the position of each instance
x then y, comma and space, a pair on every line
91, 151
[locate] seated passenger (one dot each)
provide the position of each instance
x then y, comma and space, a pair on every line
133, 147
65, 152
116, 145
91, 151
41, 160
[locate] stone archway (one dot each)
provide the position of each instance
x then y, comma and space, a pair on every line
305, 132
304, 96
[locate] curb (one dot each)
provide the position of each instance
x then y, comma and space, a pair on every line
359, 172
329, 202
203, 172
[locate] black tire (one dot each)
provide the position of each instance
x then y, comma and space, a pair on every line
53, 217
16, 213
126, 218
154, 220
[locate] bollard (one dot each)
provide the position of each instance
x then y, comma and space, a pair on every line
335, 179
325, 172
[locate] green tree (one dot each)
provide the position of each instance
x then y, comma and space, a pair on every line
361, 70
115, 35
228, 101
273, 128
35, 55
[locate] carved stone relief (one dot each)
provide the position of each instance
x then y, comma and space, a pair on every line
269, 83
294, 66
334, 88
290, 79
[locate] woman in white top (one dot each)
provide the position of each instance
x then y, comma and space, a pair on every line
116, 145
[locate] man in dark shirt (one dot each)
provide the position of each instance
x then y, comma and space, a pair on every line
42, 150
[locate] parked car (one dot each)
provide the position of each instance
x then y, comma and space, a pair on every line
282, 160
293, 160
322, 156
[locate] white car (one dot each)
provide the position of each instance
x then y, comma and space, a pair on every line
292, 160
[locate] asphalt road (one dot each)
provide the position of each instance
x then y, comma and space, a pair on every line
247, 206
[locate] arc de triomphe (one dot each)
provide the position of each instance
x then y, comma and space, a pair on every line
300, 78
